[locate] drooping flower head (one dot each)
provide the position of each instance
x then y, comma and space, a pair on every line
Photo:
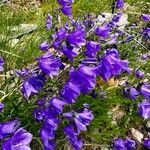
49, 22
111, 65
57, 104
19, 141
81, 119
1, 64
145, 17
32, 85
71, 136
130, 144
70, 52
103, 31
147, 143
119, 144
92, 48
131, 93
65, 2
44, 46
67, 10
127, 144
119, 4
144, 109
8, 128
1, 106
77, 38
139, 74
49, 64
145, 90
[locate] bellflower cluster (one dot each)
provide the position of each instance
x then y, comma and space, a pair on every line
19, 137
72, 40
127, 144
111, 65
80, 121
72, 137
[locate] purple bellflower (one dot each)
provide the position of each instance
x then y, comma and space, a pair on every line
1, 64
1, 106
145, 91
147, 143
119, 144
8, 128
111, 65
71, 136
139, 74
144, 109
85, 77
119, 4
145, 17
73, 89
32, 85
67, 10
92, 48
127, 144
131, 93
77, 38
19, 141
49, 22
49, 64
44, 46
58, 104
81, 119
70, 52
130, 144
103, 31
65, 2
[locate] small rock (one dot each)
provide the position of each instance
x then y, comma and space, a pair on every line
137, 135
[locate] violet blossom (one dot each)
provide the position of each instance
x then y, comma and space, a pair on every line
44, 46
145, 90
119, 4
49, 64
144, 109
1, 64
92, 48
103, 31
19, 141
8, 128
1, 106
49, 22
147, 143
145, 17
